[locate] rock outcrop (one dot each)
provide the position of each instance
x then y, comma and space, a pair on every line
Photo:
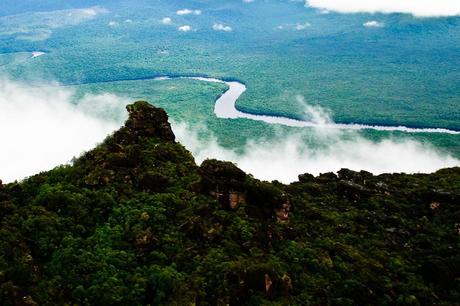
225, 181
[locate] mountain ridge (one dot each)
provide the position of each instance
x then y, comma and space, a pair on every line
136, 221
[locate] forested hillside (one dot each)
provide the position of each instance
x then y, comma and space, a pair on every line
136, 222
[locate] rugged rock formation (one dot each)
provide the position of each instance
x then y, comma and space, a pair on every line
225, 181
146, 120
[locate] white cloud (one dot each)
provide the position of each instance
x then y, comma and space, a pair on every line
314, 113
43, 128
184, 12
373, 24
221, 27
419, 8
248, 1
113, 23
185, 28
166, 20
294, 26
188, 12
285, 157
128, 21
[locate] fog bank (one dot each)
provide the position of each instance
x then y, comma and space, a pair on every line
40, 128
43, 127
284, 158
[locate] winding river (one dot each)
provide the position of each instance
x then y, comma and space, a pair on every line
225, 107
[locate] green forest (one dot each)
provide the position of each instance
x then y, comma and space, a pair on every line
136, 221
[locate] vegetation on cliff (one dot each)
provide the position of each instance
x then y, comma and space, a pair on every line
136, 222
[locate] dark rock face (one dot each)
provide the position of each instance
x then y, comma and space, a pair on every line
226, 173
146, 120
225, 181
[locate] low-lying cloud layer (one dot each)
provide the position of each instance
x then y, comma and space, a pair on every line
284, 158
186, 11
41, 128
418, 8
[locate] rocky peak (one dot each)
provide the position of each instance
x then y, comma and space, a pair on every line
135, 154
146, 120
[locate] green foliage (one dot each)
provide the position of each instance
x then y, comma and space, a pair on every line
136, 222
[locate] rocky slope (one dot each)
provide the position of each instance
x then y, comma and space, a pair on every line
136, 222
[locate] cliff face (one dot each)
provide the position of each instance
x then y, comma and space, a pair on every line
136, 222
